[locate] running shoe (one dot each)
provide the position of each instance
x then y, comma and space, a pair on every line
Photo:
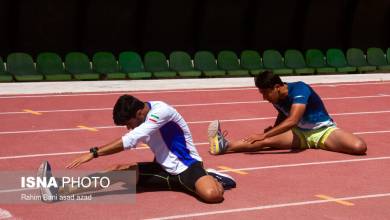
218, 143
48, 194
227, 181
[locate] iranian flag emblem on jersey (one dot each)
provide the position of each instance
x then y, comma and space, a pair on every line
153, 118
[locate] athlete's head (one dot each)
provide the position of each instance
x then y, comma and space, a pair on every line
269, 86
128, 111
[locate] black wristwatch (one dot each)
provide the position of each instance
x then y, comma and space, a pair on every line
94, 151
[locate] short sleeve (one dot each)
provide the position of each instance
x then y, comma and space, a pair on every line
155, 119
300, 94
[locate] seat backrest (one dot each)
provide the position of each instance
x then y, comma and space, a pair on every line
104, 62
315, 58
336, 58
204, 61
376, 56
2, 67
48, 62
20, 64
131, 62
273, 59
355, 57
294, 59
77, 62
251, 60
180, 61
155, 61
228, 60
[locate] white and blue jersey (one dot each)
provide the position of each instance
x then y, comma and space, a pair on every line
168, 136
315, 115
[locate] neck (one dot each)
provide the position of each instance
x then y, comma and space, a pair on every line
284, 91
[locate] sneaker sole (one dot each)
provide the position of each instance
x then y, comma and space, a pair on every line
219, 173
213, 128
42, 171
212, 132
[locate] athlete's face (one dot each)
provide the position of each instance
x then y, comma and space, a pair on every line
135, 122
272, 94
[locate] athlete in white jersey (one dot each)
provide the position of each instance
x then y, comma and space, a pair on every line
177, 164
302, 122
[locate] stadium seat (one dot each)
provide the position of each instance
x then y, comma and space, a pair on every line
156, 62
130, 62
205, 62
4, 75
21, 65
336, 58
316, 59
388, 55
228, 61
294, 60
273, 60
105, 64
78, 65
180, 62
356, 58
51, 66
251, 61
376, 57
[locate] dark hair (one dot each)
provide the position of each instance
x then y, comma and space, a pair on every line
267, 80
125, 108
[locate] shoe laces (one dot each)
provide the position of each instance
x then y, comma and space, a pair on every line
224, 133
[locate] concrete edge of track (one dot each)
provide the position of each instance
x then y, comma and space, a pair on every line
17, 88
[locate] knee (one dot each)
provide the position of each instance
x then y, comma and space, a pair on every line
359, 147
212, 196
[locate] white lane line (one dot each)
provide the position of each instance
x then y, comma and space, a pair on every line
143, 148
191, 122
193, 104
55, 130
72, 152
138, 148
273, 206
307, 164
180, 91
133, 93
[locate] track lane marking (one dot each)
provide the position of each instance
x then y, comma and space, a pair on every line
142, 147
271, 206
87, 128
332, 199
195, 104
229, 169
243, 88
191, 122
29, 111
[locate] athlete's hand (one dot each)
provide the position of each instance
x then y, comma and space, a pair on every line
254, 138
80, 160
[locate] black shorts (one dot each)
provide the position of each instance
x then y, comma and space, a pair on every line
152, 176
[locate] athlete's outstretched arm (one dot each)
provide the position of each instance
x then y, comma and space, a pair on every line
111, 148
296, 113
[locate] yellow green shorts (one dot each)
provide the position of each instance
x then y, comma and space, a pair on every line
313, 138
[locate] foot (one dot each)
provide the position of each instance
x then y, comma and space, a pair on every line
48, 194
227, 181
218, 143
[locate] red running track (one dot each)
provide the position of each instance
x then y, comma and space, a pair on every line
277, 184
